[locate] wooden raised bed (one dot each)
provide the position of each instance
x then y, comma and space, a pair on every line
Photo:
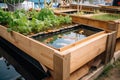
63, 9
111, 9
86, 7
104, 23
107, 25
63, 64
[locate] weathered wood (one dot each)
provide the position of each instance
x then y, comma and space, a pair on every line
79, 73
76, 74
89, 7
113, 46
118, 33
117, 45
109, 46
62, 67
110, 9
96, 63
94, 74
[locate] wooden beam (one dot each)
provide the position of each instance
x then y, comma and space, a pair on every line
94, 75
79, 73
117, 45
113, 45
33, 48
61, 67
86, 51
109, 46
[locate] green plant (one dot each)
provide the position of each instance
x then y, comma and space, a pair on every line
19, 21
37, 25
4, 17
107, 17
45, 13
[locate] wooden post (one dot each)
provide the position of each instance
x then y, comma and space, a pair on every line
61, 67
109, 47
113, 45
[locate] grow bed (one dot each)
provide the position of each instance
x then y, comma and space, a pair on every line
110, 24
65, 60
61, 61
106, 17
63, 10
88, 7
113, 9
65, 37
79, 13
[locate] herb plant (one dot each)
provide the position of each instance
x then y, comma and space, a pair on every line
40, 21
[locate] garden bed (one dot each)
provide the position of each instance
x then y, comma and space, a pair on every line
82, 12
63, 9
110, 9
64, 61
107, 17
50, 57
104, 24
87, 7
66, 37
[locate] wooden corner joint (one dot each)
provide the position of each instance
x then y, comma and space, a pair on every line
61, 66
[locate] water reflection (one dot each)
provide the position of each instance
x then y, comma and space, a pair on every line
7, 71
65, 37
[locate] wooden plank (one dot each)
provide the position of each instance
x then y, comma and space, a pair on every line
79, 19
117, 45
63, 10
38, 51
86, 51
79, 73
76, 74
118, 34
113, 45
94, 74
62, 67
107, 53
80, 41
106, 25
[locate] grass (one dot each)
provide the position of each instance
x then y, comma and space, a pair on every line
108, 68
107, 17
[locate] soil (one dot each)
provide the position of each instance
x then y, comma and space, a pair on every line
112, 72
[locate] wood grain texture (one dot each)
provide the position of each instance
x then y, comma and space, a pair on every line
62, 67
38, 51
87, 51
106, 25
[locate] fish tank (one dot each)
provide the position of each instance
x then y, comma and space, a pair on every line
67, 36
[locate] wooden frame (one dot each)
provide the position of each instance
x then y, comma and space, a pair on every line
88, 7
58, 10
111, 9
63, 64
106, 25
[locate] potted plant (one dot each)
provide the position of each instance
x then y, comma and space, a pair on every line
12, 4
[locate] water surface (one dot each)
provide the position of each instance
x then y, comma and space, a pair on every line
64, 37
